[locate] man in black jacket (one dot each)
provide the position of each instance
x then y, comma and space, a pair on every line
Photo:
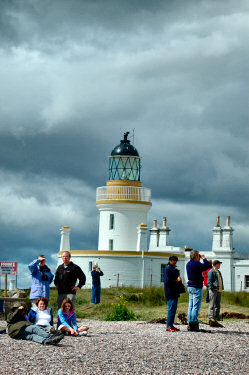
66, 277
171, 281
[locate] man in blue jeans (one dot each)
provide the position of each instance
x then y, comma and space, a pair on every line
171, 279
195, 285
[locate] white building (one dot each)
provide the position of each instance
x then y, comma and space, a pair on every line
123, 253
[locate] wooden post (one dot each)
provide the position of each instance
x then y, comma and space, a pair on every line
151, 280
117, 280
5, 285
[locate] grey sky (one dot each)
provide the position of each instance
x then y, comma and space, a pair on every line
77, 74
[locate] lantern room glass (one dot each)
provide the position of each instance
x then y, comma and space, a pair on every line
124, 168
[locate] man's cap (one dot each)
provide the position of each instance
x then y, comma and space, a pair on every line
216, 262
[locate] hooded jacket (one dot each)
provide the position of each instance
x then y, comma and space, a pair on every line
41, 278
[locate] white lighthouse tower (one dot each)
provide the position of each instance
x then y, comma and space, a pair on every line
123, 203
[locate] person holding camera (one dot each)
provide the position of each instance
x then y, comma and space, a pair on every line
195, 268
96, 284
41, 279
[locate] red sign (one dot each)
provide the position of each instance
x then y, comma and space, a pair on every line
9, 268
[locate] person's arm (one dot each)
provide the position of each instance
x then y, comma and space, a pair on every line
50, 277
56, 279
101, 273
62, 319
16, 316
73, 317
205, 265
81, 277
31, 316
33, 266
52, 318
211, 276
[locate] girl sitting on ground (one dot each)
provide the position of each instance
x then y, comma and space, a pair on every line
67, 320
41, 315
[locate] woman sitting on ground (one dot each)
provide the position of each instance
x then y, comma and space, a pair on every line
20, 328
41, 315
67, 320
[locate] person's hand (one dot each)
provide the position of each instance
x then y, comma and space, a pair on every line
41, 258
20, 308
73, 332
202, 256
179, 279
75, 288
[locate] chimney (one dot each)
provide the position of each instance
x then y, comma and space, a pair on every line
228, 221
164, 222
218, 221
65, 243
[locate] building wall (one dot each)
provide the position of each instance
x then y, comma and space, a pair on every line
240, 271
126, 219
125, 270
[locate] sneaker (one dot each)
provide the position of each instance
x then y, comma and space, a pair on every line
84, 333
171, 329
53, 340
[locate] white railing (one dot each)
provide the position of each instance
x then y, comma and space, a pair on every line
129, 193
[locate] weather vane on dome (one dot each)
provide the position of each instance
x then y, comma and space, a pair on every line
126, 136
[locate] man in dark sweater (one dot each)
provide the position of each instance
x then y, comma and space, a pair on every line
171, 280
195, 285
66, 277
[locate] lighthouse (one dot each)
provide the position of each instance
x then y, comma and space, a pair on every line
123, 203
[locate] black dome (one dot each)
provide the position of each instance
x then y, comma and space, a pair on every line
125, 148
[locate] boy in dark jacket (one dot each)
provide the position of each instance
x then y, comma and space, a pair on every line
171, 280
21, 329
215, 284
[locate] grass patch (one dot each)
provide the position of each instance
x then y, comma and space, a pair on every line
148, 303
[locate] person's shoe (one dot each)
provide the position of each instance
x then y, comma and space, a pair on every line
177, 329
84, 333
214, 323
53, 340
171, 329
191, 327
55, 331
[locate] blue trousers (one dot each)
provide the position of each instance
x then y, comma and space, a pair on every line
194, 304
172, 306
33, 333
96, 290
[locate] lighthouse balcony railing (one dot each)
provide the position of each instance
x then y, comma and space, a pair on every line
129, 193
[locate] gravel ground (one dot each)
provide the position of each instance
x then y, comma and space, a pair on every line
133, 348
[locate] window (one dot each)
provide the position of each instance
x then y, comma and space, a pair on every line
90, 266
111, 221
163, 266
110, 244
246, 281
